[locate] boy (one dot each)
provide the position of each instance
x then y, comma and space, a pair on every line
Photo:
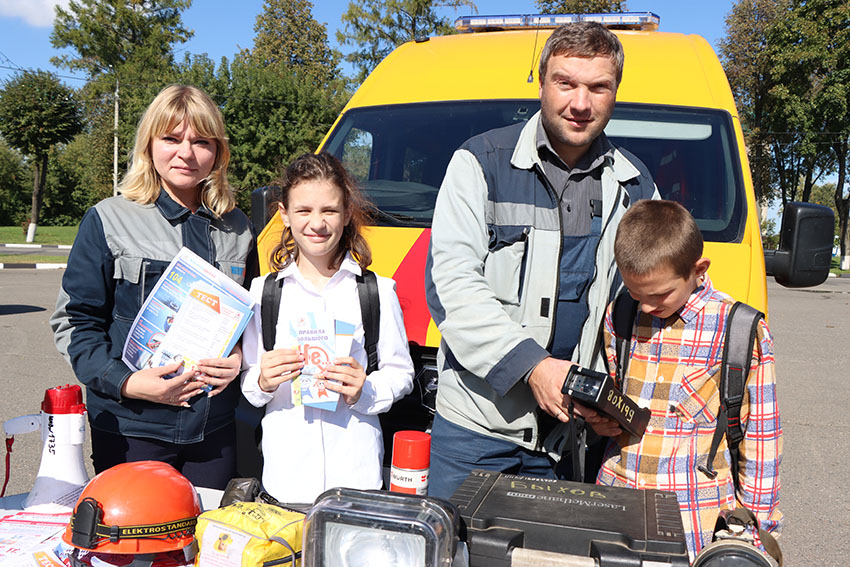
674, 369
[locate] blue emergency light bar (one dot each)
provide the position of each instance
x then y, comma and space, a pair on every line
644, 21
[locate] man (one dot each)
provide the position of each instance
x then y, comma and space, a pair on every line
521, 265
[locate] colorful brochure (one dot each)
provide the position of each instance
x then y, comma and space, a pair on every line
320, 339
193, 312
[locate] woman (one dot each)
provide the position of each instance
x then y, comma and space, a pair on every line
175, 194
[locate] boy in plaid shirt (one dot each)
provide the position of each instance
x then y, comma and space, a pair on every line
674, 369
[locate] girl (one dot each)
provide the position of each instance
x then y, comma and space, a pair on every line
307, 450
174, 194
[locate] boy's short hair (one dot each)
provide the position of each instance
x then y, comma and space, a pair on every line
653, 234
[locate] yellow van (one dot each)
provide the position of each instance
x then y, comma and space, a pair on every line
675, 111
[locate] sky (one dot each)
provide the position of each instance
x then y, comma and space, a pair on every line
223, 27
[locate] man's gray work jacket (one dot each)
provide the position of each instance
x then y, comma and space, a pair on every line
492, 278
121, 250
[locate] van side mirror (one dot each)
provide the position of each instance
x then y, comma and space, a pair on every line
262, 202
805, 246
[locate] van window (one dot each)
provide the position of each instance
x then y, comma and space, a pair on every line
400, 152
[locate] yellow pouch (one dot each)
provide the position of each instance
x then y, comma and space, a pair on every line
249, 534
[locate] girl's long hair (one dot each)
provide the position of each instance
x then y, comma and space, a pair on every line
324, 167
173, 105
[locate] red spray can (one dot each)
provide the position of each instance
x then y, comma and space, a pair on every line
411, 462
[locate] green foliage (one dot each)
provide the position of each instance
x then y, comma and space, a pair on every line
769, 236
376, 27
73, 176
289, 36
747, 62
15, 182
36, 113
825, 195
106, 34
580, 6
272, 117
788, 63
814, 72
128, 45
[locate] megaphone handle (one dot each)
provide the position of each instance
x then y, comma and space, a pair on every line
9, 441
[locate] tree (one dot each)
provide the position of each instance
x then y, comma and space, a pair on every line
825, 195
126, 48
13, 187
747, 63
376, 27
817, 36
105, 34
79, 175
580, 6
272, 116
37, 112
288, 35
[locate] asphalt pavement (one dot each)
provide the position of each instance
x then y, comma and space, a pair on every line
811, 328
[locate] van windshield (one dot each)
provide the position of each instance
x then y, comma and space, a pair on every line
399, 154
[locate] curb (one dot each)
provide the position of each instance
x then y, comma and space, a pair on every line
34, 265
31, 266
55, 246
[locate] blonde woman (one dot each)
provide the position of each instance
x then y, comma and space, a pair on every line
175, 194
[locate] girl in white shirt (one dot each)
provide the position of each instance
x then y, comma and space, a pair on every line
308, 450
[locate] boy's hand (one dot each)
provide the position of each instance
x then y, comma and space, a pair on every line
599, 422
349, 378
279, 366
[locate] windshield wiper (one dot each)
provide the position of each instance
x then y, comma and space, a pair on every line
395, 216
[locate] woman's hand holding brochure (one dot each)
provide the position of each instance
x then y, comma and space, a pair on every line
149, 384
217, 373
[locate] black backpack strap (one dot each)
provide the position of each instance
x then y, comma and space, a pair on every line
586, 456
269, 308
370, 310
741, 331
623, 314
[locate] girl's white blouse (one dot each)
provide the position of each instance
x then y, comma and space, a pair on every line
307, 450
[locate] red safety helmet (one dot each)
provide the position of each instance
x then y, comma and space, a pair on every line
141, 508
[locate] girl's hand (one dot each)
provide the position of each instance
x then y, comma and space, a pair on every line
349, 377
279, 366
149, 384
219, 372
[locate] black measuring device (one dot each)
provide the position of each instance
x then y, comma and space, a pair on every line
598, 391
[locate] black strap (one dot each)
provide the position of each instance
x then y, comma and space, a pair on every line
269, 308
370, 312
741, 331
745, 517
370, 309
623, 314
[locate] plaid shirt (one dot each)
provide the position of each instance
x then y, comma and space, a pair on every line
674, 369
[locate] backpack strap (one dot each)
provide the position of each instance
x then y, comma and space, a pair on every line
623, 314
745, 518
370, 308
741, 331
370, 311
587, 456
269, 308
